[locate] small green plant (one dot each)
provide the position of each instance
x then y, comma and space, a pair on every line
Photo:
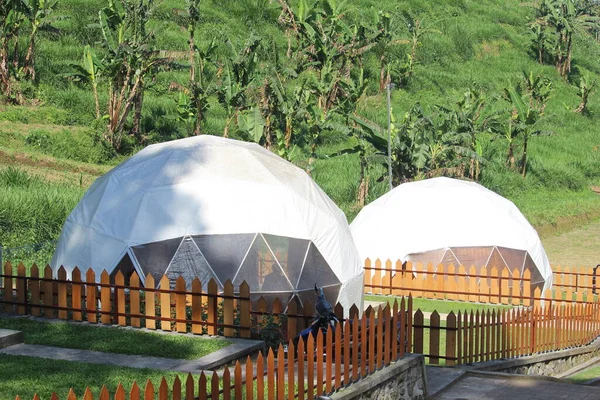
270, 330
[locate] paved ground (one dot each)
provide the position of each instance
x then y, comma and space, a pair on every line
489, 386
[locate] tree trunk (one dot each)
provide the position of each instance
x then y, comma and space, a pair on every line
138, 100
567, 64
95, 87
192, 50
363, 187
524, 157
28, 67
510, 157
198, 120
4, 72
382, 75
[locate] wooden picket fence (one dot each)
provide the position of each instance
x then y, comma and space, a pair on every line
449, 282
333, 359
460, 283
229, 313
577, 279
468, 337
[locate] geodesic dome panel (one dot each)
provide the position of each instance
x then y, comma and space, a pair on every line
273, 266
216, 195
465, 222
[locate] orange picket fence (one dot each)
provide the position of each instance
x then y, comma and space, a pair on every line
335, 358
468, 337
494, 286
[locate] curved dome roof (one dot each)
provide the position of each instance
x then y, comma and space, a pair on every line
439, 213
205, 185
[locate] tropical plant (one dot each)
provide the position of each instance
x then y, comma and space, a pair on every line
585, 90
37, 12
89, 71
130, 57
388, 39
239, 72
12, 16
523, 122
565, 18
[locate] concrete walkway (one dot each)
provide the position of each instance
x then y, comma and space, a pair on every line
477, 385
11, 343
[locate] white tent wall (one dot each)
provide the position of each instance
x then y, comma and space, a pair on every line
440, 213
206, 185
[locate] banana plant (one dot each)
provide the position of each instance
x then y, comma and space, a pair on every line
238, 74
12, 16
37, 12
585, 90
523, 121
89, 71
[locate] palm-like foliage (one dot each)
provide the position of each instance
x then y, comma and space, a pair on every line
37, 12
565, 18
89, 71
12, 16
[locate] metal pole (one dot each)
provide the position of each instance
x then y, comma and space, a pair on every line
389, 89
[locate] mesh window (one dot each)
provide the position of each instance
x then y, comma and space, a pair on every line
513, 258
290, 253
154, 258
537, 280
496, 260
190, 264
126, 267
316, 271
432, 257
224, 253
257, 265
472, 256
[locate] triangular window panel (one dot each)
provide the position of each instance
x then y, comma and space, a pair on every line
154, 258
290, 253
126, 267
496, 260
513, 258
316, 271
472, 256
259, 263
189, 263
224, 253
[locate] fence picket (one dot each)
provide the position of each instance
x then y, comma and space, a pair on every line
226, 384
76, 294
202, 387
237, 380
163, 389
150, 302
301, 353
34, 288
105, 301
281, 379
91, 304
310, 374
434, 338
338, 356
22, 289
260, 377
165, 304
120, 298
180, 305
134, 299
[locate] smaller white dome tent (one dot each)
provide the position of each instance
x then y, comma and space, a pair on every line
210, 207
450, 221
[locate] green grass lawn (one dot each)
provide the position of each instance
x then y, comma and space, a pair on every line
25, 376
441, 306
113, 340
586, 375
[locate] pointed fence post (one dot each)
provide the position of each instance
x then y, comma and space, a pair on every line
212, 307
245, 317
228, 308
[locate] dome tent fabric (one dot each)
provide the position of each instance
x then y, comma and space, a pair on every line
210, 207
444, 220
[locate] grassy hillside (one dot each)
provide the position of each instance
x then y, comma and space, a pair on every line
54, 146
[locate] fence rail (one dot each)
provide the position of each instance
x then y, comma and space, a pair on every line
333, 358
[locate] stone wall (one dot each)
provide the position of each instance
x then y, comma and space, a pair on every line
404, 379
547, 364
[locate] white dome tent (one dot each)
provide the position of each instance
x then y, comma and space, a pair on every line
210, 207
449, 221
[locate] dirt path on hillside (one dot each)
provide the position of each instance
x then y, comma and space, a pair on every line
576, 248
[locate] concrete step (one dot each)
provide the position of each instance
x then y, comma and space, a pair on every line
9, 337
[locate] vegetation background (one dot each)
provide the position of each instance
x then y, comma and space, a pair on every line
459, 69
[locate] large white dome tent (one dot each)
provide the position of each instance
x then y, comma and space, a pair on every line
210, 207
450, 221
